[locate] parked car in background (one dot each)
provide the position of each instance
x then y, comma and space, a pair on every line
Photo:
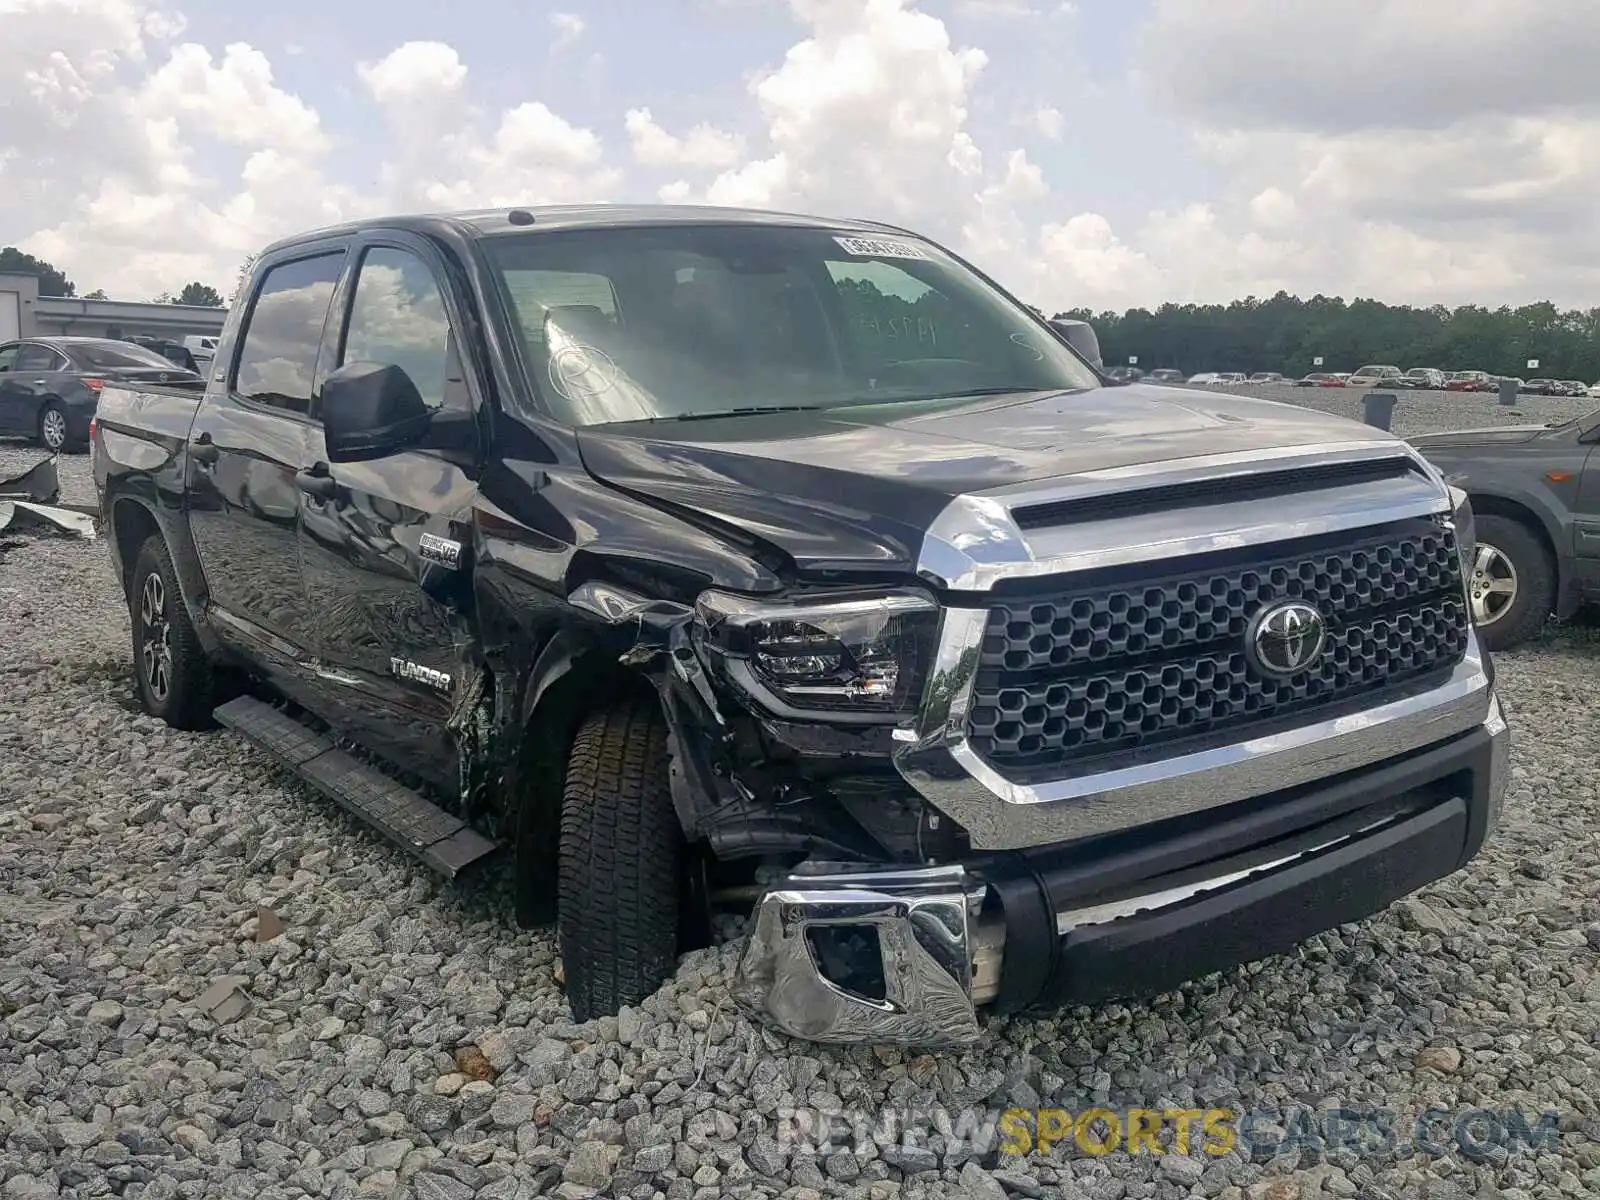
1165, 375
1532, 489
204, 348
690, 587
1124, 374
1428, 377
1232, 378
1594, 389
174, 352
49, 386
1372, 376
1312, 380
1207, 378
1574, 387
1541, 387
1469, 381
1268, 377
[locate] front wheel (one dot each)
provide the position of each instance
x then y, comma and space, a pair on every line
620, 858
1512, 586
53, 431
172, 675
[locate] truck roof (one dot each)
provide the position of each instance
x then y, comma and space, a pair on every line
493, 222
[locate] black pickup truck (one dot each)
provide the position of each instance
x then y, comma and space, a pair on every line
709, 557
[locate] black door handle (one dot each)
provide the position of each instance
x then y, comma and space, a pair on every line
203, 449
316, 482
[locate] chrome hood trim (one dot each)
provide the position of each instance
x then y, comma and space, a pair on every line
976, 541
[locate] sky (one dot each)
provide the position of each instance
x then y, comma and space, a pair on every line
1086, 153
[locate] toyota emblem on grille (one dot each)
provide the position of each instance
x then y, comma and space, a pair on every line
1286, 639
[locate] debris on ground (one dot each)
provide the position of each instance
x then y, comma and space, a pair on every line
39, 484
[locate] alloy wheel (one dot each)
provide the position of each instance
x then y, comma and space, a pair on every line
1493, 587
53, 428
155, 640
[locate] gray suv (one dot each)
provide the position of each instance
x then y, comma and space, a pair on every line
1535, 493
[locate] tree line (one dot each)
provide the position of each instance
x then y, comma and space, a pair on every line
1286, 333
54, 282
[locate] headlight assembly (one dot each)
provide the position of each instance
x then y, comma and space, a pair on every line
857, 656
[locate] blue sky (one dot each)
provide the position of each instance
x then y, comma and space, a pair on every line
1103, 153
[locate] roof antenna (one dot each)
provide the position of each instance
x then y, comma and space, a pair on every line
520, 216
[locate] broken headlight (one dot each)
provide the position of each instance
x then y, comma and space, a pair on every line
861, 655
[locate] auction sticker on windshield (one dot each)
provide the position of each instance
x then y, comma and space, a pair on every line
878, 248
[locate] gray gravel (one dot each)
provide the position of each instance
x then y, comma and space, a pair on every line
400, 1036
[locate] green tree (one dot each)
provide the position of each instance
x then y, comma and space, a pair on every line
243, 278
1287, 333
52, 282
201, 294
97, 294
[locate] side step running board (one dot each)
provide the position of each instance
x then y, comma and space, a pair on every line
442, 841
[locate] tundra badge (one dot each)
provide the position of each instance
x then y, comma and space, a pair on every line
440, 550
427, 676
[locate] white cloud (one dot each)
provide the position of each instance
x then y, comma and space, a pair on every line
569, 28
1050, 121
702, 146
137, 157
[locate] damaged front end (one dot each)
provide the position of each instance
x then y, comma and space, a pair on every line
781, 714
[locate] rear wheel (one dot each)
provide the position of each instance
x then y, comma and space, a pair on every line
1512, 586
172, 675
620, 860
53, 427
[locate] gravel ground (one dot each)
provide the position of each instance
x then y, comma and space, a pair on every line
399, 1036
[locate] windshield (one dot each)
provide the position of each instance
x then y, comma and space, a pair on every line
651, 323
118, 354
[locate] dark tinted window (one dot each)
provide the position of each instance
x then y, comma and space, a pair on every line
8, 355
38, 358
116, 354
397, 316
278, 358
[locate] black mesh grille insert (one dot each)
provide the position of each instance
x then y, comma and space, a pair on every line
1151, 657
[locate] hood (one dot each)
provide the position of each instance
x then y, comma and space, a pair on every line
854, 489
1501, 435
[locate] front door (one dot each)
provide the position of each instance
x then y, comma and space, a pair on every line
385, 545
248, 443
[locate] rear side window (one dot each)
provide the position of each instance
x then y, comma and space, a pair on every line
38, 358
278, 357
397, 317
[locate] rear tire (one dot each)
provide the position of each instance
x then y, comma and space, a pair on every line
171, 674
1510, 554
621, 855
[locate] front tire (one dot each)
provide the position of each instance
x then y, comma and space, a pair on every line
1513, 583
174, 679
620, 858
54, 434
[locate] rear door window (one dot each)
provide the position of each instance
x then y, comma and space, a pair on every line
283, 333
39, 358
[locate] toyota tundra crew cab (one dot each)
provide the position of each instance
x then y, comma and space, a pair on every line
704, 558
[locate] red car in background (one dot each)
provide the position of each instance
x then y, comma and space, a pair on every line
1470, 381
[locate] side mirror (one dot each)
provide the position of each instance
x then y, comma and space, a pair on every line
1080, 335
370, 410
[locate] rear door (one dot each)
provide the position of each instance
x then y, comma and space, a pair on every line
248, 442
386, 547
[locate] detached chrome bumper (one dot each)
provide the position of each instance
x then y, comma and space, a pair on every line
849, 954
894, 956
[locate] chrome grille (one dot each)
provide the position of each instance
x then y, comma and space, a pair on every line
1120, 662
